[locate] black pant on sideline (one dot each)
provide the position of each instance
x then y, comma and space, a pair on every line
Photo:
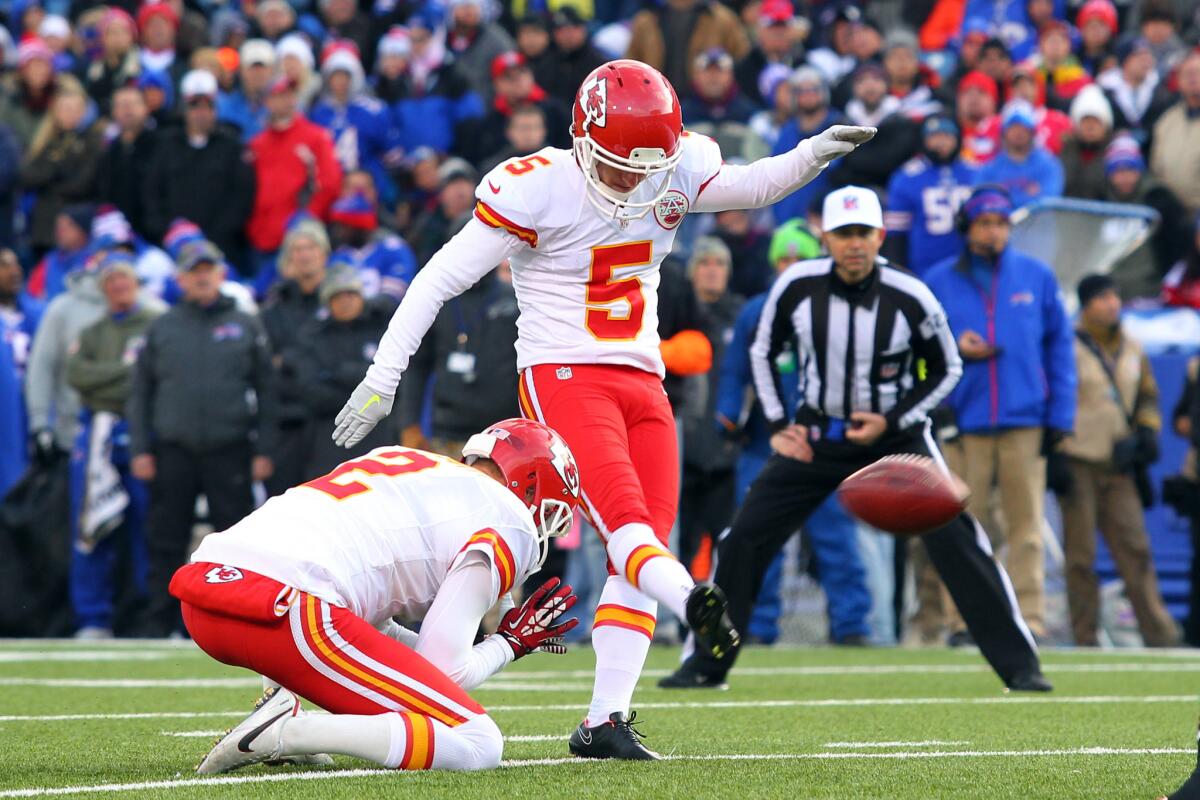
787, 491
706, 505
223, 476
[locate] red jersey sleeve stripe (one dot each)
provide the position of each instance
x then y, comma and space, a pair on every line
492, 218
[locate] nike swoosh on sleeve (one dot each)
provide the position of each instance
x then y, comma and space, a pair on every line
495, 189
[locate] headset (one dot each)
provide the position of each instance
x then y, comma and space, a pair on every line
989, 197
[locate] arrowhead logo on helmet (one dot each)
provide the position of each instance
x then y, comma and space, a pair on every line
595, 102
626, 116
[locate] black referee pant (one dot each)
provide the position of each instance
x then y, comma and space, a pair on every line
787, 491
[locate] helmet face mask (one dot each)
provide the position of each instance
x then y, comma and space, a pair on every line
538, 468
627, 117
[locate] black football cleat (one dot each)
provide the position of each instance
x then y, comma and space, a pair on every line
687, 678
1191, 787
616, 738
1032, 681
708, 616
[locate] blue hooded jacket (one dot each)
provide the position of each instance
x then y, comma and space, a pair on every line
1017, 308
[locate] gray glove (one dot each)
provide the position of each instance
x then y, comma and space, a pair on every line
838, 140
360, 415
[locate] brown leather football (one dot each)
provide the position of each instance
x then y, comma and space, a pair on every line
904, 495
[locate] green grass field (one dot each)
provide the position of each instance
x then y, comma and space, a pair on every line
133, 719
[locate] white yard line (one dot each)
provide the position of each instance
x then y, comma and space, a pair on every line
238, 683
537, 762
827, 703
872, 745
43, 656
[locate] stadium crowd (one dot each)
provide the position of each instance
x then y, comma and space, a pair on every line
209, 211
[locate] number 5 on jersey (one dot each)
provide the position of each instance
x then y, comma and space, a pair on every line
616, 306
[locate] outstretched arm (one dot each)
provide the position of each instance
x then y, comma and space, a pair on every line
769, 180
468, 256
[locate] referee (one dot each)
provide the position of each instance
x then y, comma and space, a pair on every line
857, 327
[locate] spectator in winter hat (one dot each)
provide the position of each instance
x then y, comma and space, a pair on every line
198, 173
514, 87
245, 107
275, 19
813, 115
996, 61
1052, 124
1083, 150
118, 62
228, 28
1160, 26
714, 97
777, 41
907, 79
1056, 61
382, 260
55, 31
1127, 181
1137, 95
978, 99
1028, 172
126, 160
158, 24
296, 166
1175, 146
159, 94
296, 61
774, 83
362, 129
28, 92
871, 103
72, 239
572, 59
66, 136
344, 20
474, 42
1098, 26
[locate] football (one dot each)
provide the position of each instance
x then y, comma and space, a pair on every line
904, 495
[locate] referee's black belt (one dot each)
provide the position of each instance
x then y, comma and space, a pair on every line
822, 427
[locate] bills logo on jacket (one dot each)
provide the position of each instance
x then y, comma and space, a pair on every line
670, 211
593, 99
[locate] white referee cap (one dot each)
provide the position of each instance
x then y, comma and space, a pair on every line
851, 205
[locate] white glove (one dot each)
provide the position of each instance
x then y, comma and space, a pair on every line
360, 415
839, 140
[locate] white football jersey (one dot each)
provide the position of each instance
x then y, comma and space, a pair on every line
378, 534
587, 285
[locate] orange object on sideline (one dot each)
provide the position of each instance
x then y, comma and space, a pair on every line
687, 353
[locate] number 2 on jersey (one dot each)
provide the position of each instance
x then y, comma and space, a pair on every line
339, 485
603, 290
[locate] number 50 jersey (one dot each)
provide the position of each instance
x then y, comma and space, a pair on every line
587, 285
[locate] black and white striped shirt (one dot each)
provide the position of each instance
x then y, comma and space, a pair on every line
857, 347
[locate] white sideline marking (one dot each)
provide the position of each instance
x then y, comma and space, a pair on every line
892, 669
315, 775
550, 737
238, 683
40, 656
870, 745
842, 702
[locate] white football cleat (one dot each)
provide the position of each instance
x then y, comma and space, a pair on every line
257, 738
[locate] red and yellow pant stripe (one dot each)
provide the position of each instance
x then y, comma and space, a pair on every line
332, 656
640, 556
419, 741
609, 614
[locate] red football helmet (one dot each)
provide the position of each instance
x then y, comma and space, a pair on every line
627, 116
538, 468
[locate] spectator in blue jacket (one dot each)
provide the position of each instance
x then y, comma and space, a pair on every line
364, 136
1026, 169
426, 93
813, 115
831, 531
385, 264
19, 315
245, 108
1016, 398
